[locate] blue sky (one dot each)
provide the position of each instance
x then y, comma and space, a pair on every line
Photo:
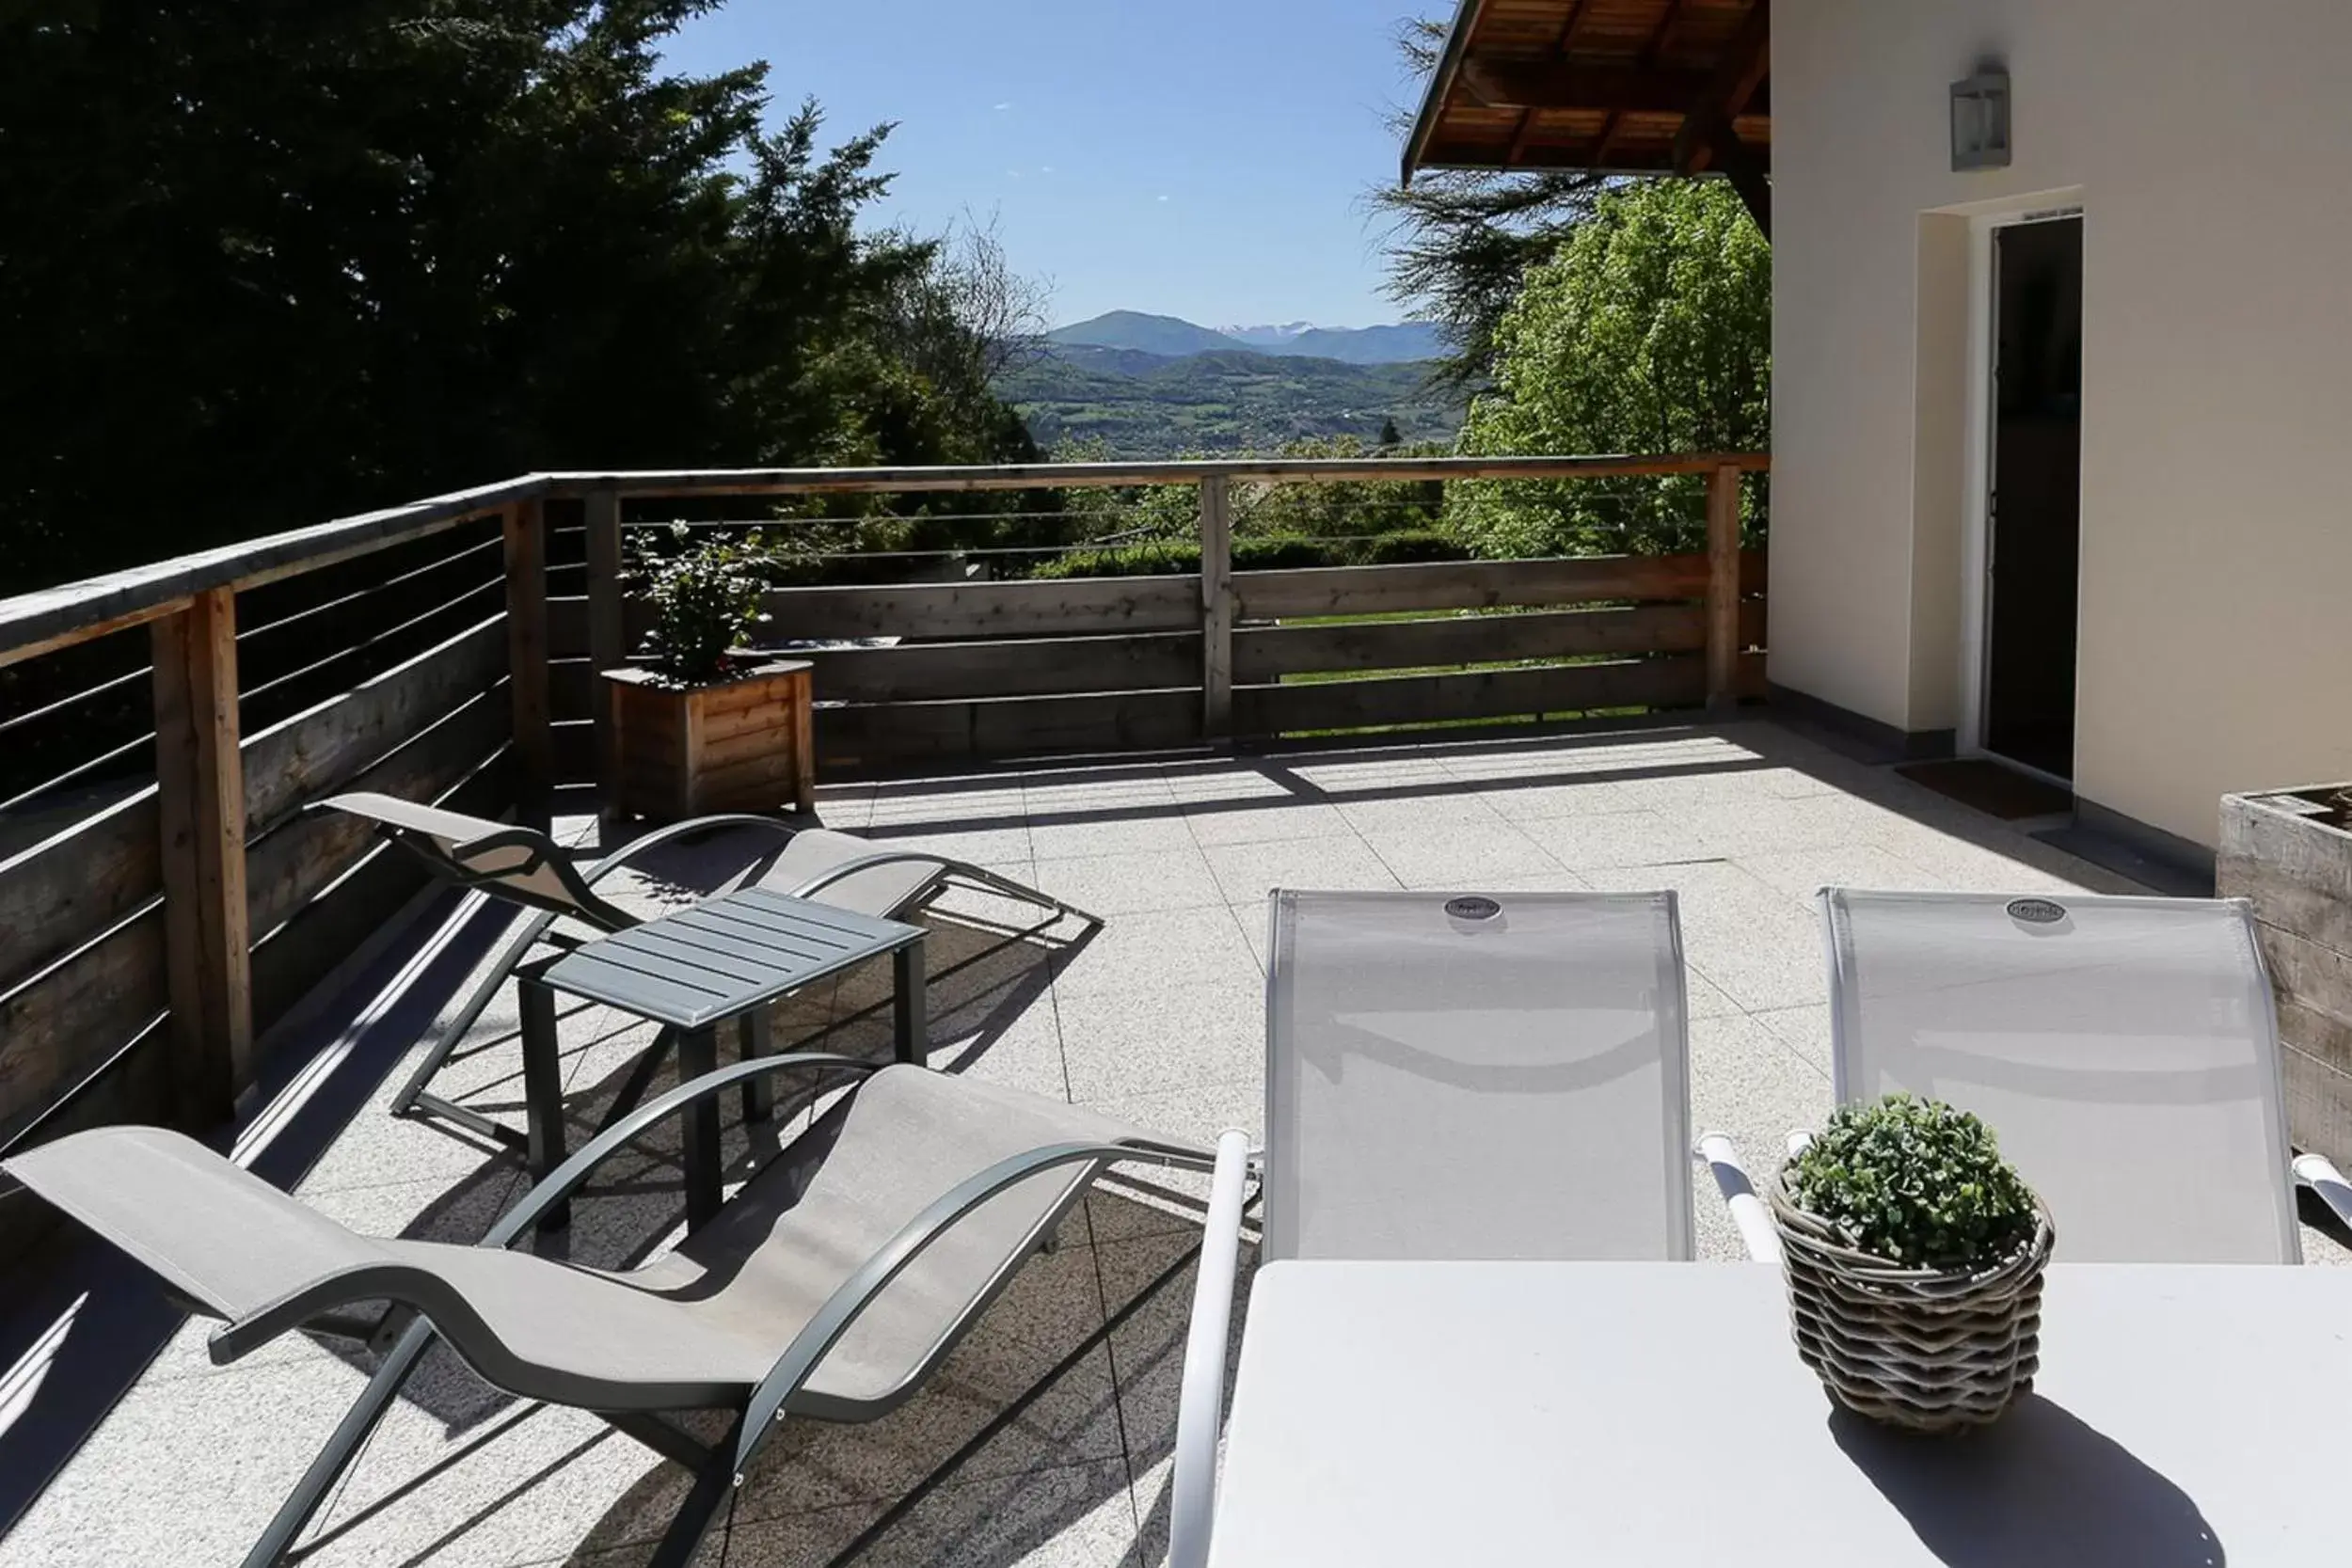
1198, 158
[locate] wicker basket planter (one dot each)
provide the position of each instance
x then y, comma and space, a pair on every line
1928, 1350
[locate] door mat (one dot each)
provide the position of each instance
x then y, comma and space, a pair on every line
1990, 788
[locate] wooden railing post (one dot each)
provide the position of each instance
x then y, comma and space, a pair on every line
1216, 608
607, 644
527, 654
1723, 589
200, 789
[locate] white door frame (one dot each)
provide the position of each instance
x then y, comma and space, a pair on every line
1976, 503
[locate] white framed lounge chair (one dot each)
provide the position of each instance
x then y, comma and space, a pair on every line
828, 1288
524, 866
1451, 1076
1476, 1077
2125, 1050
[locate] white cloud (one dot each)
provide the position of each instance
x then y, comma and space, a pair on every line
1045, 168
1160, 198
1002, 108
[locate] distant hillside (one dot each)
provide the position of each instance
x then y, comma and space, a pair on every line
1395, 344
1402, 343
1134, 329
1154, 405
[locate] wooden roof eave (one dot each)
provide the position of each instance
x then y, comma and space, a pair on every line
1441, 88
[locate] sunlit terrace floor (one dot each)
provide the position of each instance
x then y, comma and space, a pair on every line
1046, 1440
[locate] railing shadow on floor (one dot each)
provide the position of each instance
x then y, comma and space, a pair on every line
1767, 740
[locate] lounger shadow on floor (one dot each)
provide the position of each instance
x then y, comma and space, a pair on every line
1023, 1439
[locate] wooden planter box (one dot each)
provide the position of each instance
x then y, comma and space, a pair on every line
2280, 851
739, 745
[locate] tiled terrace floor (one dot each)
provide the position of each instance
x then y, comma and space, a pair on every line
1045, 1439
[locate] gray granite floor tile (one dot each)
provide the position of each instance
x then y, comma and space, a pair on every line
1802, 872
1747, 1083
1755, 943
1207, 787
1244, 872
1121, 1043
1616, 838
1456, 854
1124, 882
1143, 830
1533, 798
186, 1470
1264, 823
1396, 814
1159, 1276
1161, 950
1802, 1030
1075, 1517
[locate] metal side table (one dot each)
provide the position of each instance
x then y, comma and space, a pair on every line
720, 961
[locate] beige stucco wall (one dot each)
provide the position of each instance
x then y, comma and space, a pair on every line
2211, 149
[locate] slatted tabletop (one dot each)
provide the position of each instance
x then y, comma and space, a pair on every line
724, 957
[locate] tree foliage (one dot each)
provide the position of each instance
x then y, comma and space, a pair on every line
266, 262
1461, 240
1648, 331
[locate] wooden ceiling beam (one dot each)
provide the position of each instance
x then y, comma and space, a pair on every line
1532, 84
1739, 164
1526, 127
1651, 52
1731, 88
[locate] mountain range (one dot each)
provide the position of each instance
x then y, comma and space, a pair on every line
1173, 336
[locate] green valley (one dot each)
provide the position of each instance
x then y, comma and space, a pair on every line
1133, 403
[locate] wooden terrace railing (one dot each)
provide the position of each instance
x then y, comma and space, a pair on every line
158, 931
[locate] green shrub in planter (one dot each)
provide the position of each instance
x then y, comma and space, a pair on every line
706, 601
1915, 1182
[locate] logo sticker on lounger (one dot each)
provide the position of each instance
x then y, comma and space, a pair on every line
2036, 912
1472, 909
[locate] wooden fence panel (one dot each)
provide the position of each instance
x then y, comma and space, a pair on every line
568, 625
918, 672
1673, 681
314, 753
293, 960
60, 892
894, 733
1263, 653
975, 610
290, 865
1267, 653
1467, 585
58, 1025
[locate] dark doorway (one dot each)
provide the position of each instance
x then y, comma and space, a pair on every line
2033, 556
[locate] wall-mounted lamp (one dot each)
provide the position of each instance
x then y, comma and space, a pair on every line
1981, 120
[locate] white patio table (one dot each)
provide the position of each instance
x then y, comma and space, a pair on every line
1432, 1414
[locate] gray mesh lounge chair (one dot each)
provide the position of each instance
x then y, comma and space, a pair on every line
1450, 1077
832, 1301
522, 866
2122, 1049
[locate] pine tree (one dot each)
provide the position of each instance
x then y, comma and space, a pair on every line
1461, 240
